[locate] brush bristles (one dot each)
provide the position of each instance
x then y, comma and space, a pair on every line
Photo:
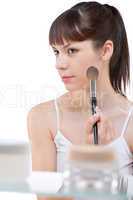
92, 73
92, 153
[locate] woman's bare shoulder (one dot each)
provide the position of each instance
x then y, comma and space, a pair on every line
131, 116
40, 117
125, 104
129, 130
42, 108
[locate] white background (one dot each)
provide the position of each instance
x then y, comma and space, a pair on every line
27, 73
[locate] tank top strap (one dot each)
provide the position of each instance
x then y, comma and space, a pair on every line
57, 114
126, 121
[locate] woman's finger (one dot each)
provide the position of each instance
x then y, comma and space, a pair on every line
106, 130
89, 127
91, 121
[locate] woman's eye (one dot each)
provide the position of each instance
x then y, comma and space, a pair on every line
72, 51
56, 52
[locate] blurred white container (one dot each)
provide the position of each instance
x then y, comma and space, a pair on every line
15, 161
91, 168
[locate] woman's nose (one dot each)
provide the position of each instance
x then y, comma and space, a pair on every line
61, 63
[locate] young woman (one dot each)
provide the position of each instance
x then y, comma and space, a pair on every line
88, 34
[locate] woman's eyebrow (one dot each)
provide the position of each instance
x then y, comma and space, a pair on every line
62, 46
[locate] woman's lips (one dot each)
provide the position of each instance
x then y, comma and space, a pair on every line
67, 79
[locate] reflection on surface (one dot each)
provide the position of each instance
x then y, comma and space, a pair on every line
42, 184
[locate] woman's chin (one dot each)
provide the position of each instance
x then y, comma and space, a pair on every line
72, 88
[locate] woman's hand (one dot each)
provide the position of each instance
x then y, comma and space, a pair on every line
106, 131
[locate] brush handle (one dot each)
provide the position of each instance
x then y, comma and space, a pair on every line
95, 128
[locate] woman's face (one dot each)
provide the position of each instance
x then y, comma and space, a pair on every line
72, 61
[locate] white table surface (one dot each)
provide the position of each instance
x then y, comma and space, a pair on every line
43, 183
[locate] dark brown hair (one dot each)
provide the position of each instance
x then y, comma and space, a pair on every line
98, 22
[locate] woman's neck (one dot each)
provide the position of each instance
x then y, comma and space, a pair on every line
80, 99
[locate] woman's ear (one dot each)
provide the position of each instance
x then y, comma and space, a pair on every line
107, 50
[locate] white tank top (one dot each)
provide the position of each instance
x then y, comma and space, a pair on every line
120, 145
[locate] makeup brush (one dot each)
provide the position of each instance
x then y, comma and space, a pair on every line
92, 75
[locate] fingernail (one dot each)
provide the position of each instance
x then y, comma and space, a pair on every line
96, 115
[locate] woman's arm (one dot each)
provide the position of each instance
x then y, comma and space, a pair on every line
43, 146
